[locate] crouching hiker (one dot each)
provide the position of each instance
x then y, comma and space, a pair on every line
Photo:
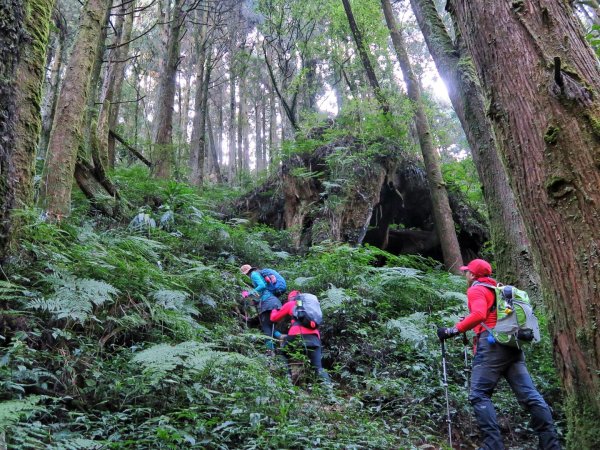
493, 360
305, 312
264, 300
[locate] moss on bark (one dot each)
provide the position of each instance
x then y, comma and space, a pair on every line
582, 423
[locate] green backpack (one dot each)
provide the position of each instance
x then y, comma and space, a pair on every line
516, 324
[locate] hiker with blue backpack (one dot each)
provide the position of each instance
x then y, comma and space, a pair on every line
305, 312
268, 285
499, 338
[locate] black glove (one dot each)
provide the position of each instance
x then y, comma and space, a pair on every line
445, 333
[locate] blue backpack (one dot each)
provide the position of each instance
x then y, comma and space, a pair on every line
275, 282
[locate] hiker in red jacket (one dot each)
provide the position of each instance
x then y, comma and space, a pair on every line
308, 337
493, 360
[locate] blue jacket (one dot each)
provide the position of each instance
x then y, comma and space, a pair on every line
260, 286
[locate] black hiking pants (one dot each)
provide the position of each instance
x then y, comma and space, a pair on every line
310, 346
491, 362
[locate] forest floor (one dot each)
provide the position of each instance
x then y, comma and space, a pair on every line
132, 334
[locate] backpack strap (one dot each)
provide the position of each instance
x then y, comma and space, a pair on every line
493, 288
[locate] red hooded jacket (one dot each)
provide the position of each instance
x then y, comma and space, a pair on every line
480, 300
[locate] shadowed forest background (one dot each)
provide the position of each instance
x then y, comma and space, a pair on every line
365, 149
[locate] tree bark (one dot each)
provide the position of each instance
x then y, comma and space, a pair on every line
24, 33
513, 259
439, 195
258, 136
244, 124
52, 85
109, 112
66, 134
213, 168
198, 140
96, 83
231, 124
273, 137
364, 56
107, 89
542, 83
163, 139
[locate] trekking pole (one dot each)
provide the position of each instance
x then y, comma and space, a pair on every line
466, 349
446, 389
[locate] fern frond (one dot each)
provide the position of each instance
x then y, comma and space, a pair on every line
335, 297
191, 356
411, 328
74, 298
174, 301
12, 411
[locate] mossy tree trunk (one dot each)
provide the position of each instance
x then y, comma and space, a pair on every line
439, 195
67, 134
512, 255
542, 83
24, 31
52, 85
163, 139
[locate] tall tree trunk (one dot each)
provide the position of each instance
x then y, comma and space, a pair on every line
244, 124
364, 57
163, 139
96, 83
218, 107
198, 128
213, 169
231, 125
437, 187
258, 136
273, 137
24, 33
512, 255
311, 84
108, 84
240, 125
118, 76
52, 86
263, 129
66, 134
547, 124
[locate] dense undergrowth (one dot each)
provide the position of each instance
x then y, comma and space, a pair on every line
132, 336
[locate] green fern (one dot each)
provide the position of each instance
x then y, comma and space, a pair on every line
190, 356
411, 328
74, 298
335, 297
12, 411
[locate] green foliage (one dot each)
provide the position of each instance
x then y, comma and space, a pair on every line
461, 176
160, 360
73, 298
137, 340
12, 411
593, 37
